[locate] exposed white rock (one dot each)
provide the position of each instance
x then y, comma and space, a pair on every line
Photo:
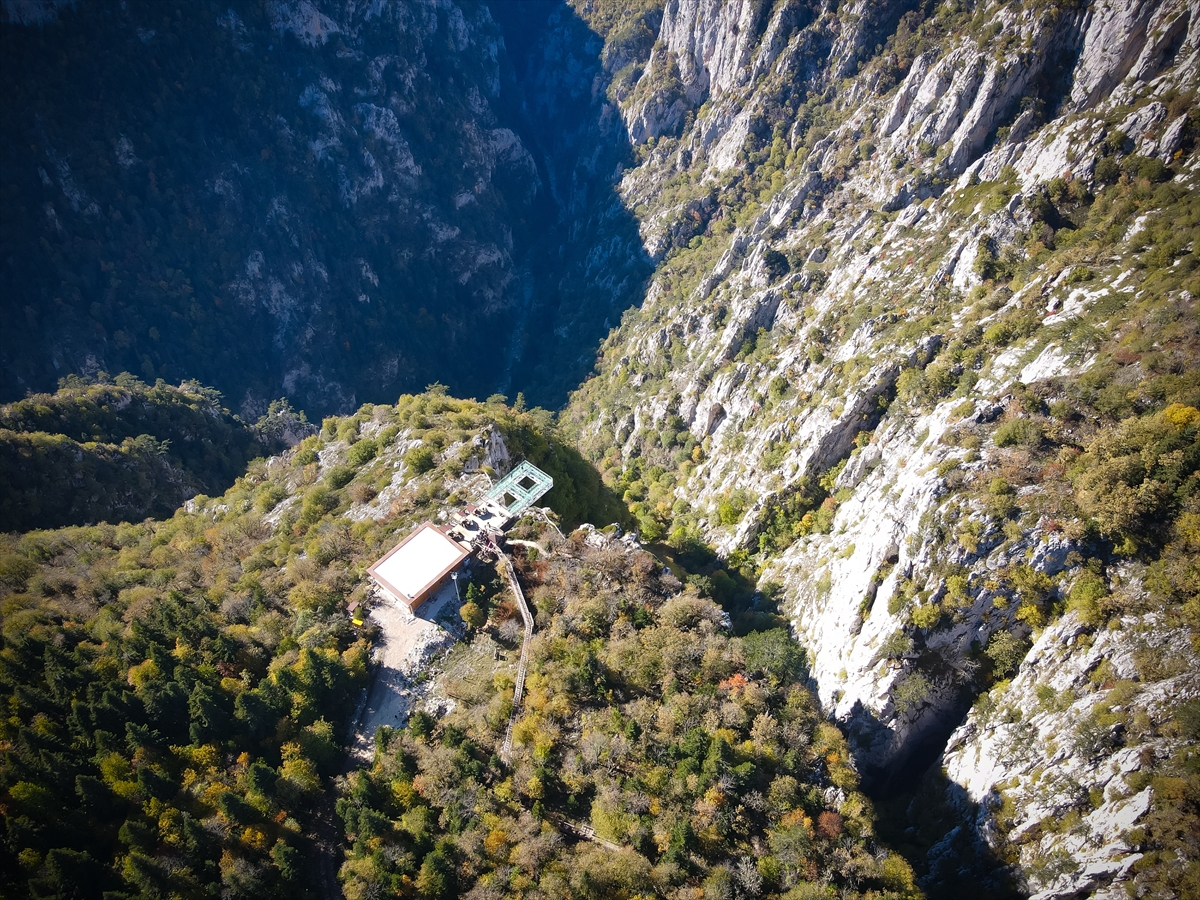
724, 154
1111, 46
1035, 743
303, 19
126, 158
711, 41
1138, 124
1051, 363
874, 246
1171, 140
840, 611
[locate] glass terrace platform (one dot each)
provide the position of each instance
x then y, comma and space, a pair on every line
525, 485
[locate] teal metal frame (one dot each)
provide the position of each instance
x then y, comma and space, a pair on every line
523, 497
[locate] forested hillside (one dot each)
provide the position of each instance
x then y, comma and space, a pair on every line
699, 759
178, 691
120, 450
879, 322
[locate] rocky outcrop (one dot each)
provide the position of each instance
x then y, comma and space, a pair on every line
1057, 760
1114, 41
712, 42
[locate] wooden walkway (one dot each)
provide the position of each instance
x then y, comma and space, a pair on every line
519, 689
582, 830
579, 829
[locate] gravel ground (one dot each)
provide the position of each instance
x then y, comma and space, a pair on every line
405, 644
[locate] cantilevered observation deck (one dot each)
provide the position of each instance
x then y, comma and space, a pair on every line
521, 488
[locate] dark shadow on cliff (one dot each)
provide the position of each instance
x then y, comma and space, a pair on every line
194, 192
585, 263
928, 818
579, 495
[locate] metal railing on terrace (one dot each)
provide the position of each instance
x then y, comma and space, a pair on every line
525, 484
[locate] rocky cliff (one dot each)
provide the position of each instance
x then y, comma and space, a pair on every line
917, 354
328, 200
923, 274
1075, 765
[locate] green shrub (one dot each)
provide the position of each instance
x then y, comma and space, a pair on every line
777, 388
436, 438
650, 528
999, 334
1033, 585
969, 535
958, 590
774, 654
911, 693
1000, 502
731, 508
318, 501
339, 476
940, 381
362, 452
988, 266
1006, 652
823, 517
1095, 736
896, 645
1187, 719
420, 459
1087, 597
1107, 171
926, 615
472, 615
15, 570
269, 496
910, 385
1149, 168
784, 519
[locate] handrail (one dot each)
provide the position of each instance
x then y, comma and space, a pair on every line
519, 688
581, 829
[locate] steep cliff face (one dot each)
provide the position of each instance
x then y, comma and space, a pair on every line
908, 259
587, 264
1091, 715
326, 200
272, 226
